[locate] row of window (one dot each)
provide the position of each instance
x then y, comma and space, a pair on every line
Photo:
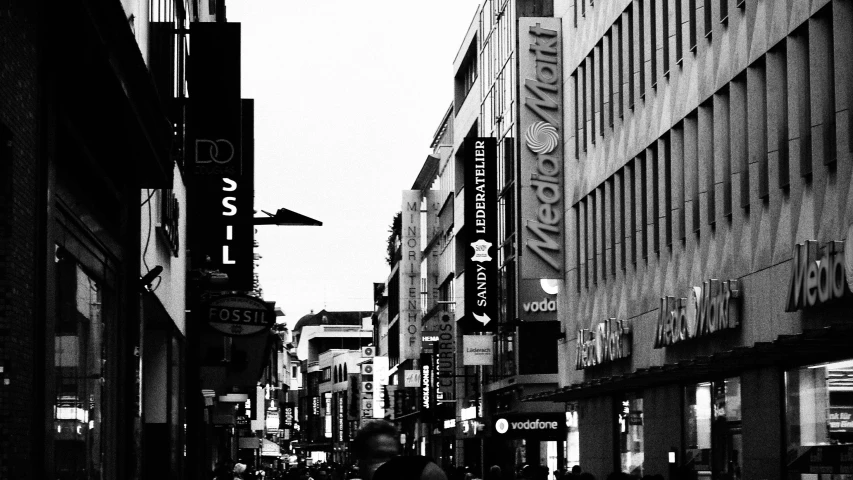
623, 65
774, 122
335, 374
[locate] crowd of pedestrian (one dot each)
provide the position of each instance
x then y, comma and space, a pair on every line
377, 449
228, 470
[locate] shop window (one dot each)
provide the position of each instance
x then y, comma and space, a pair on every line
819, 420
79, 360
572, 445
631, 447
714, 445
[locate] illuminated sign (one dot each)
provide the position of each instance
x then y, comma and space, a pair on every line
542, 426
540, 126
426, 386
410, 277
709, 309
816, 279
221, 205
446, 361
606, 342
481, 262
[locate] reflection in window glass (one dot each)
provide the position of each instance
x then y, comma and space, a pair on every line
79, 360
631, 435
572, 453
714, 445
819, 426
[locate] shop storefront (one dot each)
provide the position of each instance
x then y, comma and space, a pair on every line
722, 405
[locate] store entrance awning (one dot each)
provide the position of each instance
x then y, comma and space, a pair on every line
270, 449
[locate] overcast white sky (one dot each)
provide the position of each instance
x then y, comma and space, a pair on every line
347, 97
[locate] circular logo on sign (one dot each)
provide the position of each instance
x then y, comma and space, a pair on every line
541, 137
848, 256
501, 426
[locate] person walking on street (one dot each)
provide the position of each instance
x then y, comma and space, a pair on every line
377, 447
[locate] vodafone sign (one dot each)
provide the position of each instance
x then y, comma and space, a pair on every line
541, 426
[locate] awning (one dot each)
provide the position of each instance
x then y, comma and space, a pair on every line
787, 351
269, 449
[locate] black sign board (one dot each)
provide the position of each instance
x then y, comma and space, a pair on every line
221, 205
481, 258
541, 426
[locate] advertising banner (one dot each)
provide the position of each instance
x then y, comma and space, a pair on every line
539, 426
219, 221
477, 350
445, 350
481, 256
541, 151
410, 277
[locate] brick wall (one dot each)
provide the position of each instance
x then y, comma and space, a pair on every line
18, 233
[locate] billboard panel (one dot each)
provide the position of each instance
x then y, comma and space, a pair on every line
410, 277
541, 150
481, 256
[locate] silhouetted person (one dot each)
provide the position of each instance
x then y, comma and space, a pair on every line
377, 447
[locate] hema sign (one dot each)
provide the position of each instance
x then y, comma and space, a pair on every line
541, 152
540, 426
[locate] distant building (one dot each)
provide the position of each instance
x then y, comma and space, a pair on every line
329, 348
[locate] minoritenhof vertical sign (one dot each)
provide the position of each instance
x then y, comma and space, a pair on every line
541, 136
481, 257
410, 276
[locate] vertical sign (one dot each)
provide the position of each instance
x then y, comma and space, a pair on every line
446, 362
221, 234
541, 152
481, 258
410, 277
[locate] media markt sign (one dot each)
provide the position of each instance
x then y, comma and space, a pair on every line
818, 273
710, 308
539, 426
541, 151
238, 315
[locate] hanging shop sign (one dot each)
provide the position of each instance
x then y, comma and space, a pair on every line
220, 214
709, 309
606, 342
481, 258
540, 426
477, 350
541, 152
410, 276
445, 368
818, 274
238, 315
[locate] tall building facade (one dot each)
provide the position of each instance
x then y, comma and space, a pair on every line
88, 169
705, 299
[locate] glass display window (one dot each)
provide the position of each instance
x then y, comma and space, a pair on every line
819, 421
79, 362
572, 444
712, 429
630, 424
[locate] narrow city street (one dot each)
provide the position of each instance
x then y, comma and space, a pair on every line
442, 240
